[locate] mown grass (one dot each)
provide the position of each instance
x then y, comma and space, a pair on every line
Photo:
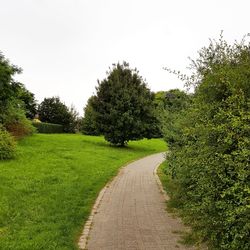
47, 192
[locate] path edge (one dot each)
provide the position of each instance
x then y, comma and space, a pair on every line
159, 183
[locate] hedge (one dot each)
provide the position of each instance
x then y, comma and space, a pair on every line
48, 128
209, 161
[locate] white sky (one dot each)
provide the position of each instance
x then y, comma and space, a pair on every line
64, 46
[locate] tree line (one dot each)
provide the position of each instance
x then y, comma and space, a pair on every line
122, 110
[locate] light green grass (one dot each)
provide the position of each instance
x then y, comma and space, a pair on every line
47, 192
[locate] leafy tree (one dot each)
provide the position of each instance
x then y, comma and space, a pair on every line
75, 120
89, 126
176, 102
209, 160
52, 110
169, 106
7, 145
12, 111
124, 106
7, 86
28, 99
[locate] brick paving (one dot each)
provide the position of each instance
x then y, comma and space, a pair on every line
132, 213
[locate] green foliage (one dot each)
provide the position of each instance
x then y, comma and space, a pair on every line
48, 190
28, 99
169, 107
124, 106
75, 120
13, 101
89, 126
15, 120
52, 110
209, 160
48, 128
7, 145
7, 84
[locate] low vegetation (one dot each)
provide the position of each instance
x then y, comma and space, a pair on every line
48, 128
48, 190
7, 145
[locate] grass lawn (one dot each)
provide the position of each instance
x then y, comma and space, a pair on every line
47, 192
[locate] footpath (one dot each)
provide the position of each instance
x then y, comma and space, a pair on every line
131, 214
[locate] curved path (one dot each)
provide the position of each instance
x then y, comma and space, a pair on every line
132, 213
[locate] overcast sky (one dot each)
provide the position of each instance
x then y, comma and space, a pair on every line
64, 46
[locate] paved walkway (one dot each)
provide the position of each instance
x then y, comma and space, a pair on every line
132, 213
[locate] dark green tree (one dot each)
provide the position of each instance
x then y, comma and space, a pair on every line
28, 99
7, 87
89, 126
52, 110
174, 104
75, 120
124, 106
169, 105
12, 107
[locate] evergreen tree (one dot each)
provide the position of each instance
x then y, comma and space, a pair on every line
124, 106
89, 126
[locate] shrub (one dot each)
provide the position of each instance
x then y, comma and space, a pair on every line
16, 122
7, 145
209, 160
20, 128
48, 128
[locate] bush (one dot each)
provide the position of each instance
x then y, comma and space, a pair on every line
7, 145
209, 160
48, 128
15, 121
20, 129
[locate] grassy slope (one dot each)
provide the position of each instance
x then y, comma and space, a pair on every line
46, 193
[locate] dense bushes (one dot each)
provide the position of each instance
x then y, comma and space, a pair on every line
16, 122
209, 160
48, 128
7, 145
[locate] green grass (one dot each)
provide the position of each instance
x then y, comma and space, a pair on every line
170, 187
47, 192
163, 177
